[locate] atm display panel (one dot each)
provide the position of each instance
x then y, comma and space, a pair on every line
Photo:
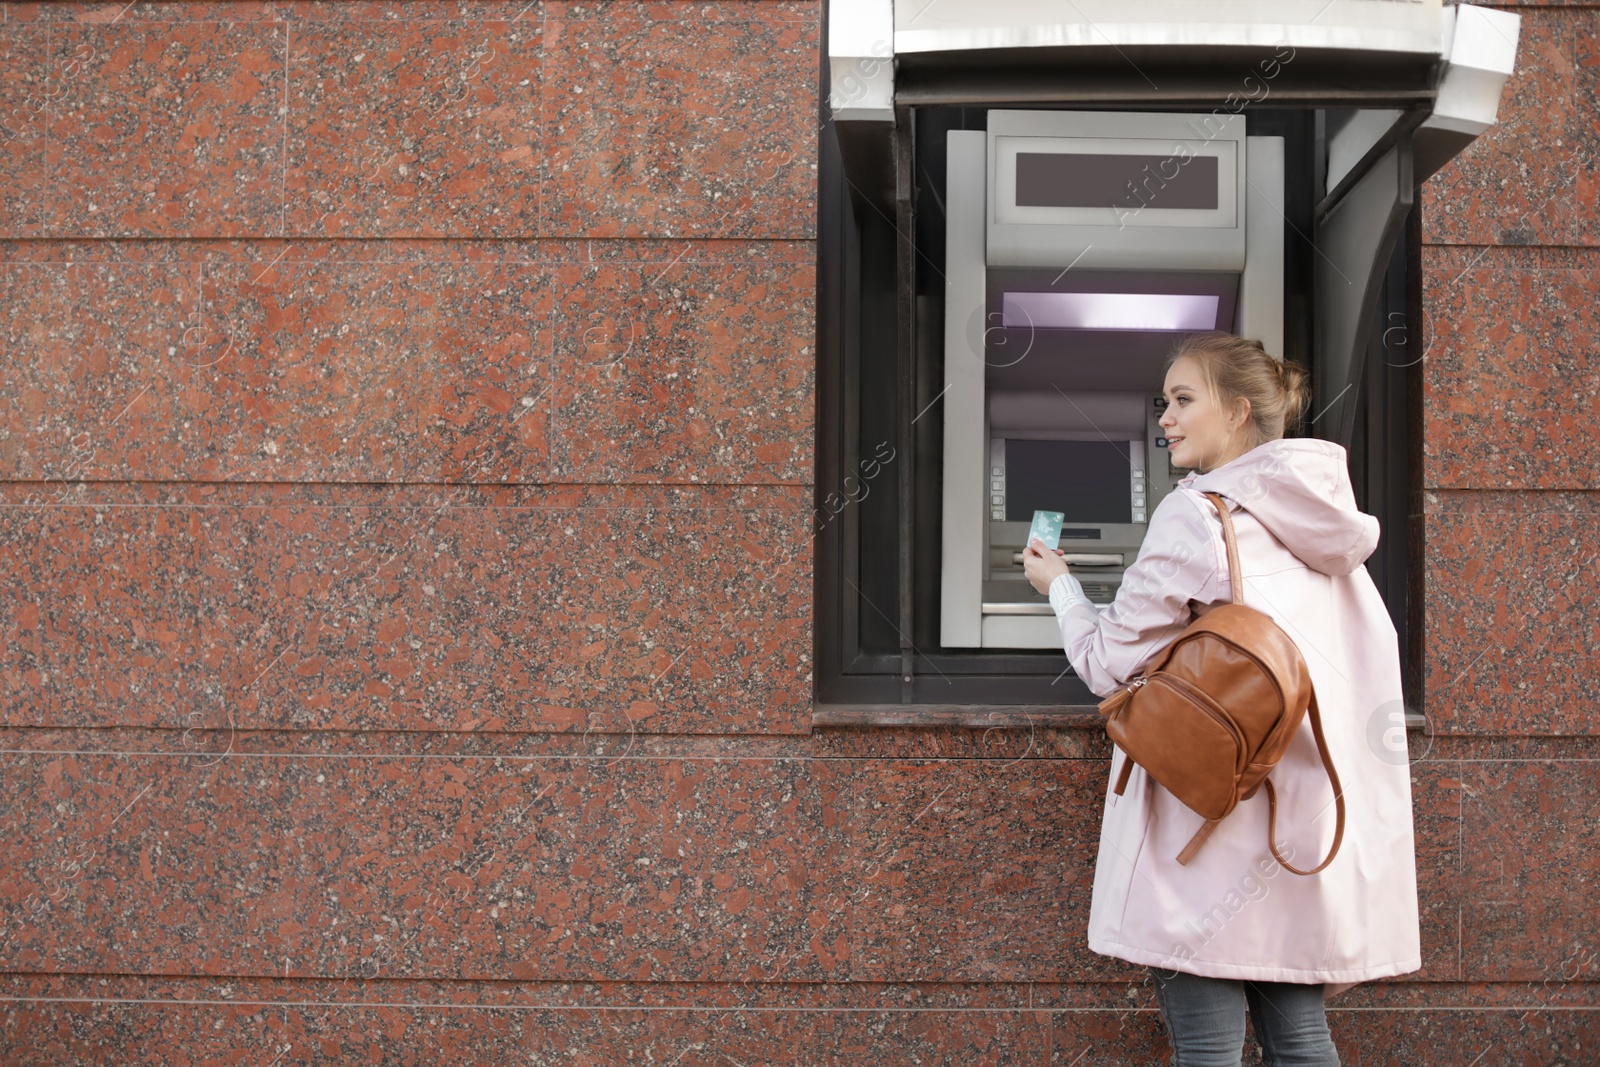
1088, 481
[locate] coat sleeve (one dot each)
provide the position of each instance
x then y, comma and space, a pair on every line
1176, 564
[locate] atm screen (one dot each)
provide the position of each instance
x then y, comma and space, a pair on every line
1058, 179
1087, 481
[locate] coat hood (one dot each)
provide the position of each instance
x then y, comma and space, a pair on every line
1299, 489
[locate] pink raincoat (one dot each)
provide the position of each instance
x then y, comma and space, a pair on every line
1233, 911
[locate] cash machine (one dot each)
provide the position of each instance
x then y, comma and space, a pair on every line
1081, 246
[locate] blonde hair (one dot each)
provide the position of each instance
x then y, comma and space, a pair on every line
1237, 367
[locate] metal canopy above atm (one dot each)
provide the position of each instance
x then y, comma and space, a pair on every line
1372, 25
1450, 60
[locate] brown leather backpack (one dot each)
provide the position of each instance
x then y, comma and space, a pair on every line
1215, 710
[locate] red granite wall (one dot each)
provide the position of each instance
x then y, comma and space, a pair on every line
1508, 794
406, 598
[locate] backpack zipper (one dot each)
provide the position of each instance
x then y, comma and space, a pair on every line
1114, 703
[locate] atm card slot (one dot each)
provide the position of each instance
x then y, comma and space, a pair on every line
1004, 607
1084, 559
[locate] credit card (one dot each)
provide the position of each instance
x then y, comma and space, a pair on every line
1047, 528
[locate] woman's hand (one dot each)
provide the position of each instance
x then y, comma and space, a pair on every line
1042, 566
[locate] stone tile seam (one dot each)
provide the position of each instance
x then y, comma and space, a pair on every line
710, 256
393, 487
212, 757
781, 11
720, 1010
1486, 245
420, 242
316, 505
796, 739
376, 1005
1482, 492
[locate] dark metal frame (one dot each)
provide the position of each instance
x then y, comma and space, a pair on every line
877, 656
1386, 451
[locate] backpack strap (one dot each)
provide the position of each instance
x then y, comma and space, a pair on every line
1235, 578
1236, 590
1127, 769
1197, 840
1338, 799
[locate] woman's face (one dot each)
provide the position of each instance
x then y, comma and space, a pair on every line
1199, 432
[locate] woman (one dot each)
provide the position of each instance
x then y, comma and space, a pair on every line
1233, 928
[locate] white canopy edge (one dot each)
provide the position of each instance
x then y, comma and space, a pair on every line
1364, 25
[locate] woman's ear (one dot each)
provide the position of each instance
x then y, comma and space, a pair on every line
1241, 408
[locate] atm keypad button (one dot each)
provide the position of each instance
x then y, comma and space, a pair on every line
999, 500
999, 472
997, 516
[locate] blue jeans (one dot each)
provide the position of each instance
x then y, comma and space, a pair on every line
1205, 1020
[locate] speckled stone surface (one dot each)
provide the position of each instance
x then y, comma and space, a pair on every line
52, 1033
1532, 179
24, 100
676, 370
1529, 890
1513, 635
576, 1037
407, 362
428, 612
970, 870
1133, 1035
948, 1039
824, 1038
576, 869
512, 119
163, 129
1506, 886
191, 1034
231, 862
1523, 1036
1510, 371
280, 862
649, 138
1436, 806
404, 127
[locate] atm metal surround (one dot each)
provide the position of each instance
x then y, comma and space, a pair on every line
1325, 154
